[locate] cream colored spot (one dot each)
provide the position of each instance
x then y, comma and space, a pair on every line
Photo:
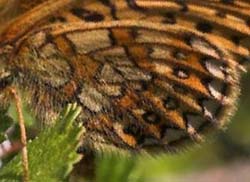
132, 73
162, 68
88, 41
4, 73
48, 50
109, 75
92, 99
37, 40
111, 90
160, 53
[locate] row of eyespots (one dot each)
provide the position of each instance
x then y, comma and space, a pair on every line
204, 65
194, 123
214, 67
215, 87
168, 134
210, 107
199, 45
152, 118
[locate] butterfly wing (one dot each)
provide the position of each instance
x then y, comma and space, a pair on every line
141, 85
148, 74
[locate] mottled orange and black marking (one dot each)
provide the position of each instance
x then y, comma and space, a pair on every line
148, 74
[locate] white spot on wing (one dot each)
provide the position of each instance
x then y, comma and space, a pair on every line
216, 88
203, 47
215, 68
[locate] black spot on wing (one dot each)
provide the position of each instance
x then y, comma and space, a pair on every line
86, 15
204, 27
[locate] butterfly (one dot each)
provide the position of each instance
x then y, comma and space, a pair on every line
149, 75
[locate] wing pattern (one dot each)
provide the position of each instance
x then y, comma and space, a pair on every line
148, 74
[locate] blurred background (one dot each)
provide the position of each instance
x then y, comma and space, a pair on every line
224, 157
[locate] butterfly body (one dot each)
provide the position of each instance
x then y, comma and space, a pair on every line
148, 74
